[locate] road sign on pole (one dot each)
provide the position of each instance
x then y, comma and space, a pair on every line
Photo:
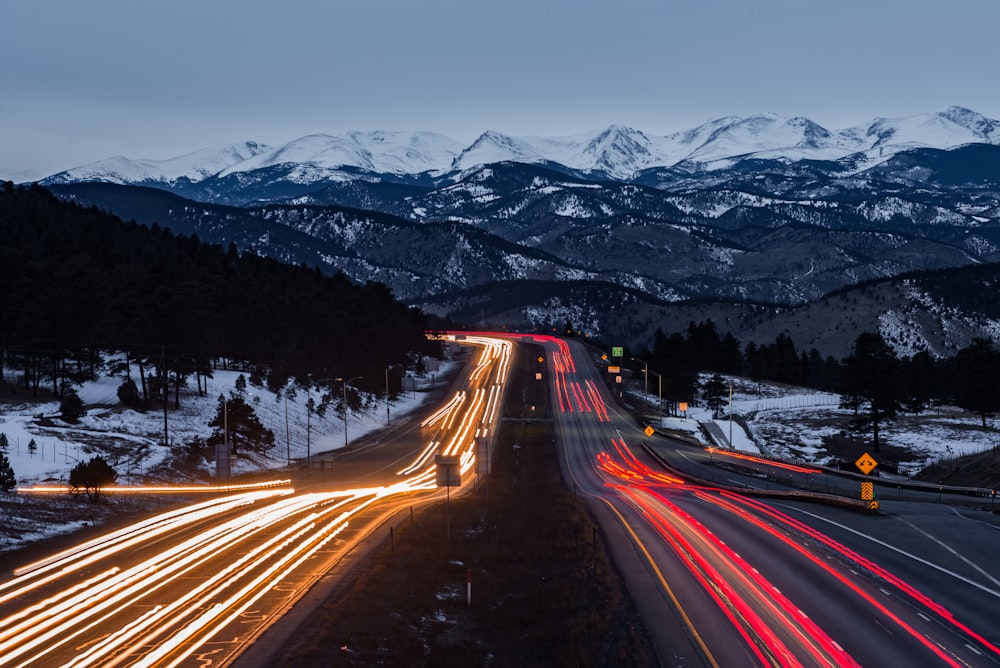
866, 463
867, 491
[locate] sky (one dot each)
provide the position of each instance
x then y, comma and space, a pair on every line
85, 81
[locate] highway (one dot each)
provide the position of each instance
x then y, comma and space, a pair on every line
196, 586
729, 579
722, 576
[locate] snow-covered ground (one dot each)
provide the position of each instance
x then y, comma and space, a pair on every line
132, 442
786, 422
780, 421
792, 423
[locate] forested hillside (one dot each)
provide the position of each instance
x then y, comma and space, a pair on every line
78, 283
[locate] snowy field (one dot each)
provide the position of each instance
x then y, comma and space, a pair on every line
132, 442
796, 424
786, 422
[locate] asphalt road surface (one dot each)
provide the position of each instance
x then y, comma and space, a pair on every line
726, 578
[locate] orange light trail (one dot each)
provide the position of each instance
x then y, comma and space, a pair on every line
760, 460
161, 489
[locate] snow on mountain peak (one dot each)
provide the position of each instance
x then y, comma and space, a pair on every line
194, 166
618, 151
377, 151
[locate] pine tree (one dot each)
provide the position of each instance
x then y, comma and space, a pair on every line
237, 422
714, 392
871, 381
7, 479
4, 443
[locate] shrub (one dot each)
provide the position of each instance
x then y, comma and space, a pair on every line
129, 395
91, 476
71, 407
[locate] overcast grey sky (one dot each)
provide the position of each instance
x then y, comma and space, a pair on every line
85, 80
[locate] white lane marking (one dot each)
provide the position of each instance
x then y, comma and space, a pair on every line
973, 519
992, 592
952, 551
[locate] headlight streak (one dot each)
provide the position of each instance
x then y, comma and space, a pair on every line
130, 535
43, 605
172, 614
172, 629
162, 489
143, 579
429, 450
103, 647
55, 623
254, 590
444, 411
469, 421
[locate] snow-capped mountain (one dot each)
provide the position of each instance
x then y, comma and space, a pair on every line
616, 152
195, 166
377, 152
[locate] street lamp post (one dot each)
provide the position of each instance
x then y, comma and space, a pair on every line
645, 375
387, 396
387, 370
309, 408
659, 382
346, 383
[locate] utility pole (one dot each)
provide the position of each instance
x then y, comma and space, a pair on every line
163, 370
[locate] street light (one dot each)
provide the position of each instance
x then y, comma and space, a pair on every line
387, 369
659, 382
346, 383
645, 374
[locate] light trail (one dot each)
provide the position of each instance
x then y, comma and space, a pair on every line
157, 607
908, 589
636, 481
760, 460
141, 531
161, 489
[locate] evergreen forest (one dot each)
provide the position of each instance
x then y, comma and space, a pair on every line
81, 287
873, 380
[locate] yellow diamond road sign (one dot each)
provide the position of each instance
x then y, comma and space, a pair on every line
866, 463
649, 430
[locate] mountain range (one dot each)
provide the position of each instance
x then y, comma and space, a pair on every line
617, 152
528, 231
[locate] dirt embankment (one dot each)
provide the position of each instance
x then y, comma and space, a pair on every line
978, 470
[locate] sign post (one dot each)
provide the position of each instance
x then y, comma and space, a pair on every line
449, 474
866, 464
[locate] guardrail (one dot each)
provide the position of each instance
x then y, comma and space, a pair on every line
815, 497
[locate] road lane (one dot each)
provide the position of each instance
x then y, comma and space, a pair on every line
788, 594
196, 585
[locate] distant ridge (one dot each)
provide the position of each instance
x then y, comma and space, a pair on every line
616, 152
